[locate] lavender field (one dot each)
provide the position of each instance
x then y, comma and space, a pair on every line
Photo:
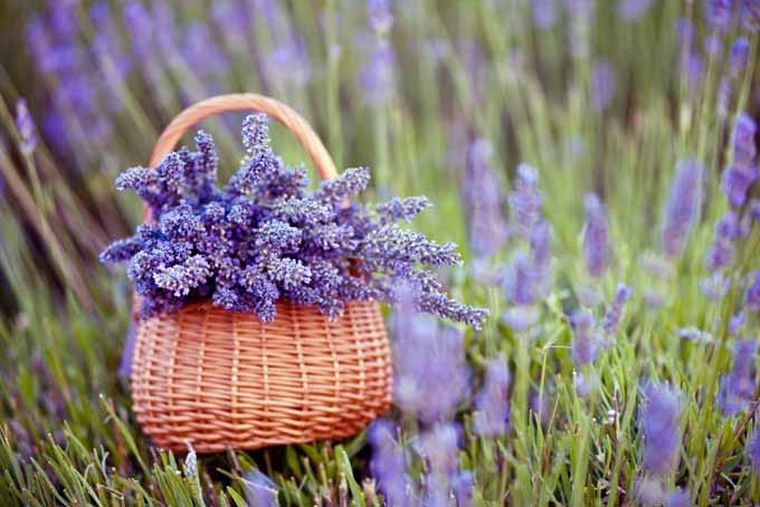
557, 203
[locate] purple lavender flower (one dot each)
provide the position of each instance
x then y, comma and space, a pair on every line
525, 200
660, 428
602, 85
595, 240
482, 196
611, 319
736, 183
720, 13
430, 374
632, 10
440, 448
683, 206
388, 463
264, 237
720, 255
585, 342
491, 417
260, 491
680, 497
377, 78
752, 298
737, 388
739, 55
745, 149
462, 484
753, 450
520, 281
25, 126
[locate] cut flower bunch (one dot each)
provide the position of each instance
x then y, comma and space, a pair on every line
265, 237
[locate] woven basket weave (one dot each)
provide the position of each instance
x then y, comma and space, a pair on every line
224, 380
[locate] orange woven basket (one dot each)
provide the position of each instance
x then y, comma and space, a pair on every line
224, 380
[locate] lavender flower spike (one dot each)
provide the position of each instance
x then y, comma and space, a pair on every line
525, 200
585, 344
388, 463
614, 312
491, 417
753, 450
25, 126
595, 236
683, 206
745, 149
738, 387
739, 55
660, 428
752, 298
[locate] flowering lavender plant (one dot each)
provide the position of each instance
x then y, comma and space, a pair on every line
263, 237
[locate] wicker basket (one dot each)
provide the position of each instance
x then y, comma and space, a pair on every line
224, 380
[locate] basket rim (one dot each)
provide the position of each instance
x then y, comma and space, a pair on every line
206, 304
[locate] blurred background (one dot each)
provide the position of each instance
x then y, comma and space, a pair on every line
437, 97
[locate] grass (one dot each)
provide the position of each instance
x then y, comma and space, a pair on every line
67, 435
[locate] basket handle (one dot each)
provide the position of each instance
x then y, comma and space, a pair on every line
283, 113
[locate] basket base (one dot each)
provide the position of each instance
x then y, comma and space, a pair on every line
222, 380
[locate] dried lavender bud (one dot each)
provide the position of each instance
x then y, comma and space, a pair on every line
182, 278
25, 127
491, 416
683, 206
585, 343
660, 428
264, 237
398, 209
255, 132
595, 236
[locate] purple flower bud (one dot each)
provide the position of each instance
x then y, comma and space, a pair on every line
525, 200
745, 149
440, 448
614, 312
388, 462
482, 196
431, 377
660, 419
739, 55
752, 298
520, 281
737, 389
25, 126
595, 238
736, 182
754, 210
714, 286
377, 76
585, 343
732, 226
680, 497
462, 485
720, 255
491, 417
720, 13
753, 450
683, 206
260, 491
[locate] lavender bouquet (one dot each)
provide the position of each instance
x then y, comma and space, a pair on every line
264, 237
